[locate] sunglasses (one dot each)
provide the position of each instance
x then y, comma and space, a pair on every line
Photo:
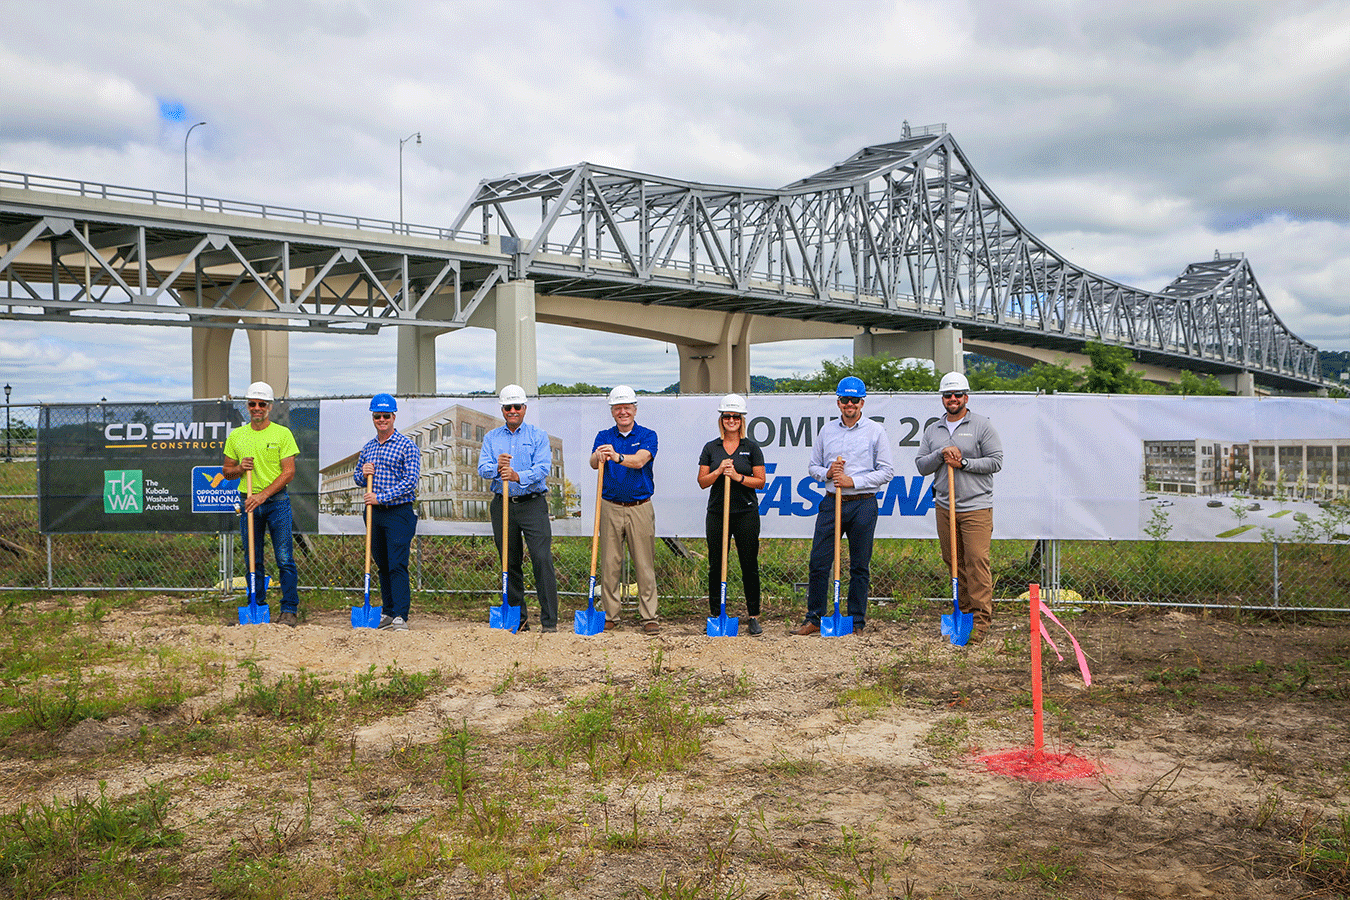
258, 404
726, 417
850, 401
381, 415
947, 395
512, 407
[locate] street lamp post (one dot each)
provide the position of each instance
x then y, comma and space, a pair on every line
185, 140
418, 135
9, 457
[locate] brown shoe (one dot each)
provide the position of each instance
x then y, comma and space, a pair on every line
651, 628
289, 619
610, 624
807, 628
978, 635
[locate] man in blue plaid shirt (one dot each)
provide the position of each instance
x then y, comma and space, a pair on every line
388, 468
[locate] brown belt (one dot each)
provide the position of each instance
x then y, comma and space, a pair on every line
630, 502
849, 498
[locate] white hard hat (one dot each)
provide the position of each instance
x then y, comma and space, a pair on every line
513, 393
622, 394
953, 381
732, 403
259, 390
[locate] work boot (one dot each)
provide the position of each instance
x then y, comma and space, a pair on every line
289, 619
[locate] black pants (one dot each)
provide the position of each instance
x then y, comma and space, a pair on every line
744, 530
529, 521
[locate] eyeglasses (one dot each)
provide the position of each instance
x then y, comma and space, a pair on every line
512, 407
947, 395
850, 401
258, 404
381, 415
730, 417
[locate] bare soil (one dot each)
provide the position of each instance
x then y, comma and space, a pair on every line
846, 767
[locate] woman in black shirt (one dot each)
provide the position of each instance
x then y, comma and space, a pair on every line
734, 455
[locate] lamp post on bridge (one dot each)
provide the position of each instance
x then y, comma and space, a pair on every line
418, 135
9, 457
185, 140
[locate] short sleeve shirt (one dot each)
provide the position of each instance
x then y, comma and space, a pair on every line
747, 455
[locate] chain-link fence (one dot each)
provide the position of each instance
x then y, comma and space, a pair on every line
1256, 575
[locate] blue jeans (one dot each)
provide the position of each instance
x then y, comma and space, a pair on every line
273, 516
859, 523
391, 533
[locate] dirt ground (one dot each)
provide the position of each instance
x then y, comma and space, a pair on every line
845, 767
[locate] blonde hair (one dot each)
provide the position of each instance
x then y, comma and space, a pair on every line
722, 429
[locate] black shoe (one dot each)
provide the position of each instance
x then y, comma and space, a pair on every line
753, 627
549, 629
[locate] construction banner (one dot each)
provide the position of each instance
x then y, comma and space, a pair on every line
156, 467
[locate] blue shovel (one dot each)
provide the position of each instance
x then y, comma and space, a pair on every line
722, 626
837, 625
505, 616
956, 625
255, 613
590, 621
367, 616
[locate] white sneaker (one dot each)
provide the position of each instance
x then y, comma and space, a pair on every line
398, 624
386, 621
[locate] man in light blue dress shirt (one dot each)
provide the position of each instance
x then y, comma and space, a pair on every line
521, 454
854, 454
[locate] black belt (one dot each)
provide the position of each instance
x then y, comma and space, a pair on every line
525, 498
630, 502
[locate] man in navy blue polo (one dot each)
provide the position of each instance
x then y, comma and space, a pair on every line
521, 454
388, 468
626, 451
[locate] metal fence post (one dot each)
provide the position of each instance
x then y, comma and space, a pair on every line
49, 562
1276, 563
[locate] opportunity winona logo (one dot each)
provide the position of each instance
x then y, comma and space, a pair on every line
123, 491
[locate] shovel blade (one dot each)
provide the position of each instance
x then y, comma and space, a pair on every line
589, 621
836, 625
504, 616
256, 611
723, 626
962, 625
366, 616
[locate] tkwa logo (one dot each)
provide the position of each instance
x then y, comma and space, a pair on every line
123, 491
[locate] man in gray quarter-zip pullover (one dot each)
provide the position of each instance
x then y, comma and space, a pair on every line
969, 443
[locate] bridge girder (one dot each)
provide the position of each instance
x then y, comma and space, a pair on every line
901, 236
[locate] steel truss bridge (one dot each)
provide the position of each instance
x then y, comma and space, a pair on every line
903, 236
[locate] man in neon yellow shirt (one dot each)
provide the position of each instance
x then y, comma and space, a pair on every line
268, 450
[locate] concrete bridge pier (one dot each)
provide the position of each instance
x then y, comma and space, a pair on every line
943, 346
269, 355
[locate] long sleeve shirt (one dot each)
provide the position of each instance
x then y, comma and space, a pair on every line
866, 451
398, 465
531, 458
981, 451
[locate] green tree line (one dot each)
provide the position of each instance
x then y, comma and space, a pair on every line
1108, 372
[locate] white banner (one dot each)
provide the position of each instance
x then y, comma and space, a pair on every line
1095, 467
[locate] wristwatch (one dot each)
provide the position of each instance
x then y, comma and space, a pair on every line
620, 459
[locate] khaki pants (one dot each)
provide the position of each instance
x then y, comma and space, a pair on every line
974, 529
636, 525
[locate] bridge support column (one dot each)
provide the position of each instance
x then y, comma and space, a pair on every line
270, 359
719, 368
944, 347
1241, 383
416, 360
517, 354
211, 362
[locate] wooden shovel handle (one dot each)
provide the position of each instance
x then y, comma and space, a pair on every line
368, 507
951, 512
248, 513
506, 518
595, 531
726, 526
838, 521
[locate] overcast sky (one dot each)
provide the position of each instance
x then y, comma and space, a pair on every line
1134, 137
